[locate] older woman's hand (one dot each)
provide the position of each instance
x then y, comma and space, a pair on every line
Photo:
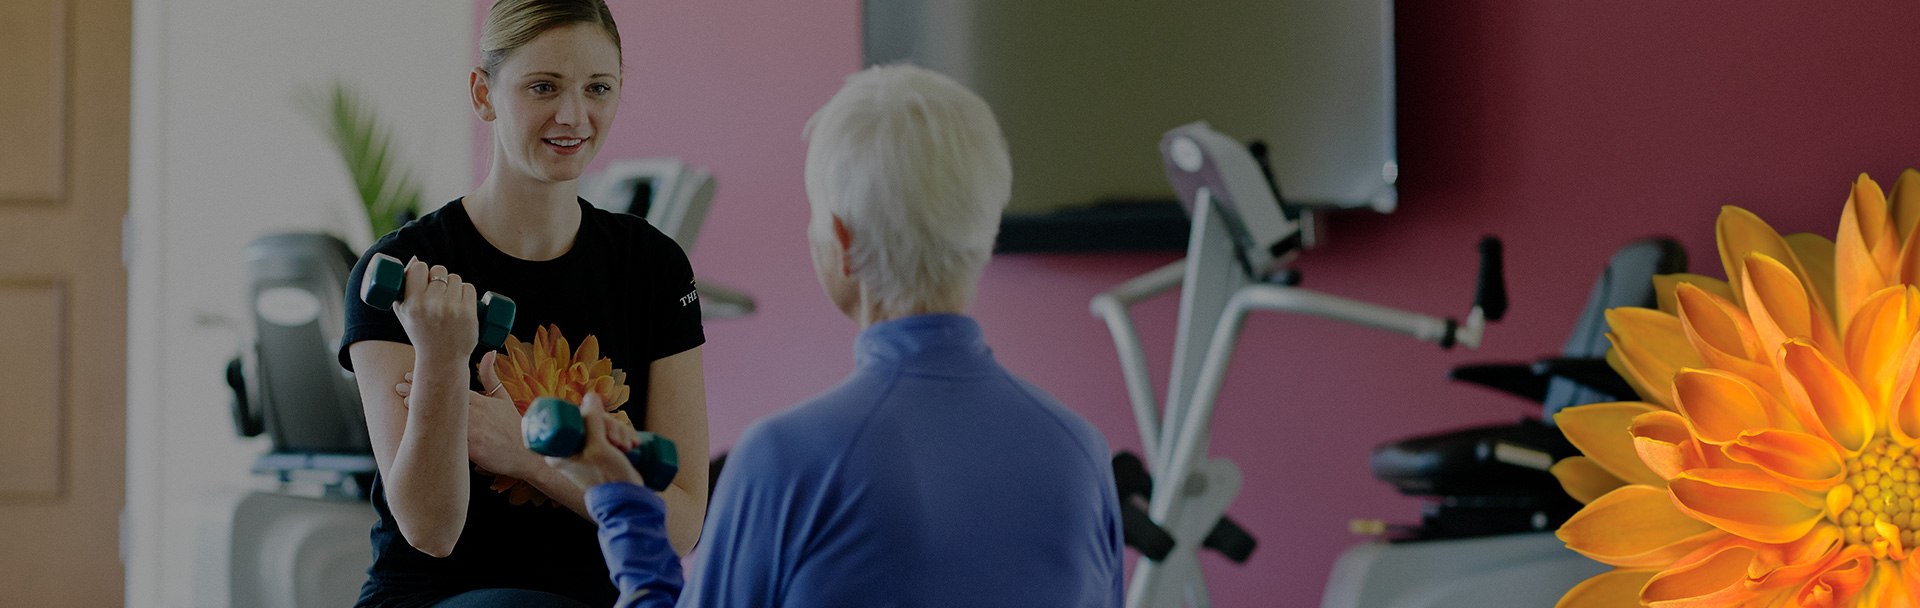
603, 458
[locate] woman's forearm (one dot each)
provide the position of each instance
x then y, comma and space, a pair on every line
562, 490
429, 484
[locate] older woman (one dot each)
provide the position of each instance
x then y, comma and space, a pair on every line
930, 477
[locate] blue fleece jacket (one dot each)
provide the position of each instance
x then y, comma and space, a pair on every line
930, 477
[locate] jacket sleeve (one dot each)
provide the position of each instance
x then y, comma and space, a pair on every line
633, 538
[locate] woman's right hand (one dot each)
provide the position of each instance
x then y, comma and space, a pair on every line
602, 456
437, 309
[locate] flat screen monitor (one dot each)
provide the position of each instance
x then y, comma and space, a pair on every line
1084, 89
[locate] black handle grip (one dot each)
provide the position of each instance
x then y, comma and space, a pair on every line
246, 420
1491, 294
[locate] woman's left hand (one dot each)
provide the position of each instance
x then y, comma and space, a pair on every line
493, 430
493, 427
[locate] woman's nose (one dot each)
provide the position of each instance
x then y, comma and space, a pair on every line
571, 110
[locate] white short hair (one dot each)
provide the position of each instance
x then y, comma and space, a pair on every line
915, 165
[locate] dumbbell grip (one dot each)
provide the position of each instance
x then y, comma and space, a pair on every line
552, 427
384, 284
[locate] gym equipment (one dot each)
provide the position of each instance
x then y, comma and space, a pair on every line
385, 283
674, 198
278, 550
1504, 570
1493, 479
552, 427
1485, 535
302, 542
1243, 236
298, 395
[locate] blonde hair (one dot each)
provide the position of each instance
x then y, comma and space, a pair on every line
915, 165
512, 24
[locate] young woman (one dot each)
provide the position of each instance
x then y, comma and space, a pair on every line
442, 428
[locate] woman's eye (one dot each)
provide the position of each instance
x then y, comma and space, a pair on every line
541, 88
600, 88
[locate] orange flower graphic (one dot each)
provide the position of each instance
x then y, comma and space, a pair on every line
546, 368
1772, 461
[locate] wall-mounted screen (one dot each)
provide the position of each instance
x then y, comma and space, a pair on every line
1085, 89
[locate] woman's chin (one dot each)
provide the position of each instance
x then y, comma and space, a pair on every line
562, 172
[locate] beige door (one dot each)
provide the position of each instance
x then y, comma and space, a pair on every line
64, 78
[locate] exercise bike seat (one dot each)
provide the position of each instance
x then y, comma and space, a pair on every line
1494, 479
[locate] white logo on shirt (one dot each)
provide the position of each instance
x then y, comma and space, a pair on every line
689, 298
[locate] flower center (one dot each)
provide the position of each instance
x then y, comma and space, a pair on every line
1886, 483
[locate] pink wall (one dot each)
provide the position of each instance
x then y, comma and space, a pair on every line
1566, 129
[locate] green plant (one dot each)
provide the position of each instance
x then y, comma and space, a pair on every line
386, 190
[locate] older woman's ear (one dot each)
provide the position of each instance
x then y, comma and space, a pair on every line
843, 240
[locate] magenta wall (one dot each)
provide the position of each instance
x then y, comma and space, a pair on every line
1566, 129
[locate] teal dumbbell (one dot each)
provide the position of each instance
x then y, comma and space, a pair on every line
553, 427
386, 277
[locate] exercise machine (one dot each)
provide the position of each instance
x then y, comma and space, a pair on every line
674, 197
1485, 533
1241, 241
301, 539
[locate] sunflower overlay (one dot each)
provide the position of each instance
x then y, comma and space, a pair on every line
546, 368
1772, 461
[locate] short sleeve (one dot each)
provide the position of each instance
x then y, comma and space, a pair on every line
673, 306
366, 322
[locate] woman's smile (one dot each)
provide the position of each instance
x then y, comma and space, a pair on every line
565, 146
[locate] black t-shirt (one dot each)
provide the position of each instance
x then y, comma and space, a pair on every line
623, 282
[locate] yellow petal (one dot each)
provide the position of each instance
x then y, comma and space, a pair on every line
1633, 377
1664, 284
1865, 253
1714, 580
1665, 444
1903, 421
1904, 203
1816, 260
1839, 582
1887, 543
1799, 459
1747, 504
1907, 268
1635, 527
1602, 432
1826, 400
1838, 499
1789, 565
1877, 340
1721, 405
1875, 220
1781, 308
1653, 347
1887, 589
1583, 479
1724, 338
1739, 232
562, 351
1715, 324
1610, 589
589, 350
